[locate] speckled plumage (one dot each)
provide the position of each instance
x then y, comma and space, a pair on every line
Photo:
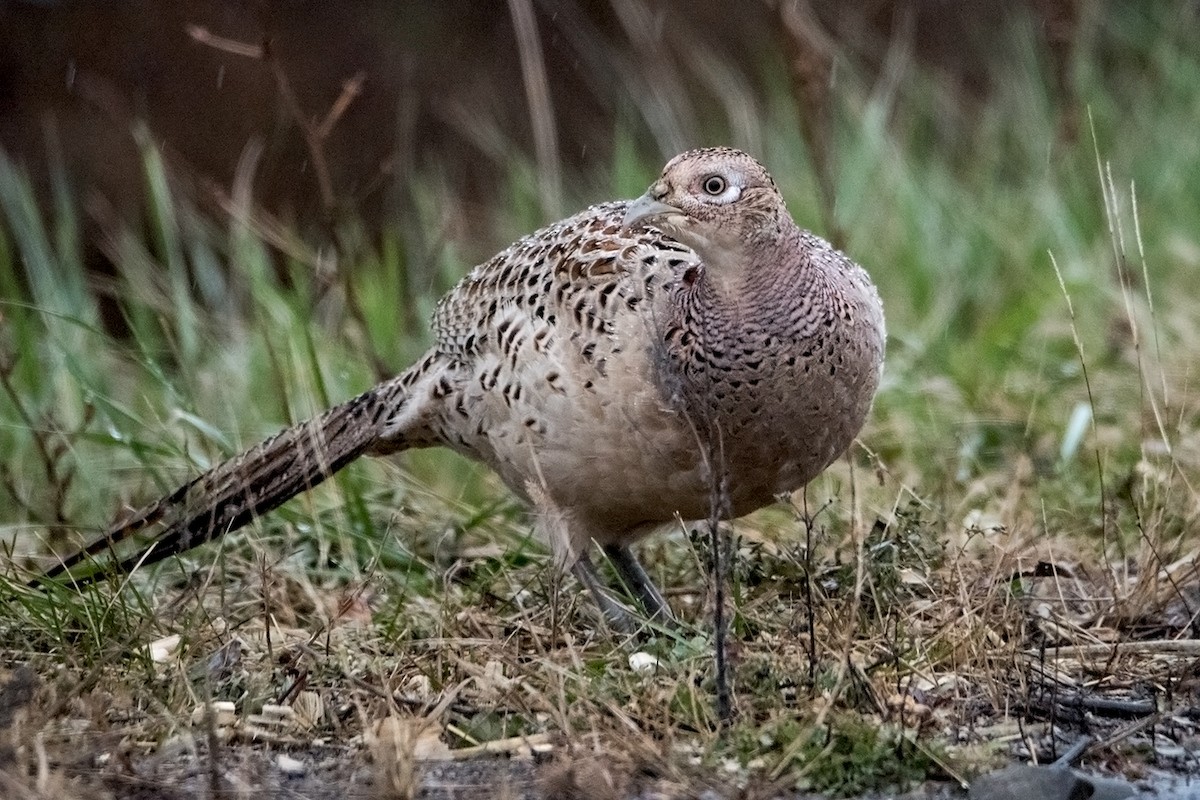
598, 364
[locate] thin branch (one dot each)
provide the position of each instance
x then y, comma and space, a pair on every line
311, 140
351, 89
314, 134
205, 37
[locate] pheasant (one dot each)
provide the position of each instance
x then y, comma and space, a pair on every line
615, 369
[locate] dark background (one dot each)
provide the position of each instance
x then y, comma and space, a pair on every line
441, 86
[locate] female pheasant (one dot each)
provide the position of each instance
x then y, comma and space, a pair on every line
612, 368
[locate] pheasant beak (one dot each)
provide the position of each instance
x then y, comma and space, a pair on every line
647, 209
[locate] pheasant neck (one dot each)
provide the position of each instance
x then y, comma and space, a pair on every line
769, 269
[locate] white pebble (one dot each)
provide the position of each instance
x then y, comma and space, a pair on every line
290, 766
643, 662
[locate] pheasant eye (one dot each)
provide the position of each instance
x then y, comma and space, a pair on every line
714, 185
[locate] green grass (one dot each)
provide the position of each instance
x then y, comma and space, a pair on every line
981, 229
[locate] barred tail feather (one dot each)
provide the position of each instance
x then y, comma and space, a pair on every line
248, 485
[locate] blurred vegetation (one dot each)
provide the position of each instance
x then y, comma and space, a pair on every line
1034, 239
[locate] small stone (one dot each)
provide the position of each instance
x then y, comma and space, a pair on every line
292, 767
222, 714
643, 662
164, 648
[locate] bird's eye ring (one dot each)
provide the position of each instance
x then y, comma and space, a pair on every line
714, 185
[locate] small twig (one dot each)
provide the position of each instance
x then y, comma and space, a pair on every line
514, 745
314, 134
264, 577
1108, 707
718, 509
720, 620
809, 520
351, 89
1129, 730
309, 131
1179, 647
205, 37
1074, 752
845, 668
52, 445
265, 226
7, 367
810, 611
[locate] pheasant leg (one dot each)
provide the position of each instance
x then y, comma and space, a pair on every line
615, 613
637, 581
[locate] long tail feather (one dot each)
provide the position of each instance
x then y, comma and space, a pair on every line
248, 485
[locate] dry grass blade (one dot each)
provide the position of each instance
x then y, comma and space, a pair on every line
541, 111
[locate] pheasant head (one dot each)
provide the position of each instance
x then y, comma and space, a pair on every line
718, 201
